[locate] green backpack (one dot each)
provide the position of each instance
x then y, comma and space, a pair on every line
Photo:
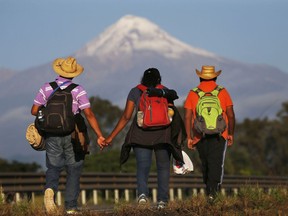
209, 119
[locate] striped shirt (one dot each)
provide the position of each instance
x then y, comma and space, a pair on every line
79, 95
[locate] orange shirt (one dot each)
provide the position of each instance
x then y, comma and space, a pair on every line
192, 99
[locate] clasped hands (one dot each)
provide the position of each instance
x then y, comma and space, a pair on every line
191, 142
104, 142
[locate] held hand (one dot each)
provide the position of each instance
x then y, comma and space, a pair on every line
101, 142
190, 144
230, 140
108, 140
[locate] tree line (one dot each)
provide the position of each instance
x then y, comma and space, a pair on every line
260, 146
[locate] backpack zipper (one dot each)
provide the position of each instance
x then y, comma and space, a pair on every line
150, 110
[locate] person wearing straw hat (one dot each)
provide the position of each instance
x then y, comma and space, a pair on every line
59, 149
211, 148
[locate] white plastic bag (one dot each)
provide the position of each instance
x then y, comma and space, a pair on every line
182, 169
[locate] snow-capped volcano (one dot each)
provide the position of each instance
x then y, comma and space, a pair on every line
132, 33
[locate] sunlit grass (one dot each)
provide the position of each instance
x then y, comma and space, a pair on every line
248, 201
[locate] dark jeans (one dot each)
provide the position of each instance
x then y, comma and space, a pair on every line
144, 161
60, 155
212, 151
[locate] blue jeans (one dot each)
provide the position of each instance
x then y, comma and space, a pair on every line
60, 155
144, 160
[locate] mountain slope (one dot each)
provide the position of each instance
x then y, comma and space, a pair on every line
132, 34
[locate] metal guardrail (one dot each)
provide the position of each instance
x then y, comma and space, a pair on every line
30, 183
27, 182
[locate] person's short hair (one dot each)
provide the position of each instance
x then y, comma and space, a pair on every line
151, 77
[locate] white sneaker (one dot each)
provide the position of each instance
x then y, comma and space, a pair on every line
49, 201
142, 200
161, 205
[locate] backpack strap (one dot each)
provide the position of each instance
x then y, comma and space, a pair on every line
70, 87
55, 87
159, 86
217, 90
142, 87
199, 92
160, 92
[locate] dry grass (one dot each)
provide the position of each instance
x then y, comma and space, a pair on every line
248, 202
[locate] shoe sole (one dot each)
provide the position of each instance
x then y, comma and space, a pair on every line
49, 200
73, 212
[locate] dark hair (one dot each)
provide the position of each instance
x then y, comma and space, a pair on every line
67, 77
201, 79
151, 77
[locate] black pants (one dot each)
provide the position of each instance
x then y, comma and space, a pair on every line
212, 151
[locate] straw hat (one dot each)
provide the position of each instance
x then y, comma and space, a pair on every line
67, 67
34, 138
208, 72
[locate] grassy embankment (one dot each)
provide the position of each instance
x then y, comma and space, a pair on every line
248, 202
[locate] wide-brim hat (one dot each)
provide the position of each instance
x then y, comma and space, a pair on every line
35, 140
208, 72
68, 67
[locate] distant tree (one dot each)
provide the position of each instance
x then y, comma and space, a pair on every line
107, 115
283, 114
261, 146
15, 166
248, 153
108, 160
238, 161
277, 144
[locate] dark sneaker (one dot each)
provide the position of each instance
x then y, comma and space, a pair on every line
142, 199
161, 205
49, 203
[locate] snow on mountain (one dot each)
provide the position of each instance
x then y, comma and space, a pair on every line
133, 33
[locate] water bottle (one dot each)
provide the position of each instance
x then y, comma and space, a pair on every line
140, 116
41, 117
170, 113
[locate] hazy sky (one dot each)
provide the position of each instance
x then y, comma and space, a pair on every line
33, 32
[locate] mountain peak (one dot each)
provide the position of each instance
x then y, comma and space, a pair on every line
132, 33
130, 22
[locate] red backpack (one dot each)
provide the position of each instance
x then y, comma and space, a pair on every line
152, 111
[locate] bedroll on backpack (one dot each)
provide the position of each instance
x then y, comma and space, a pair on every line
209, 115
57, 117
152, 111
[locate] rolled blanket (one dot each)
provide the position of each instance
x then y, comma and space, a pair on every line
35, 140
